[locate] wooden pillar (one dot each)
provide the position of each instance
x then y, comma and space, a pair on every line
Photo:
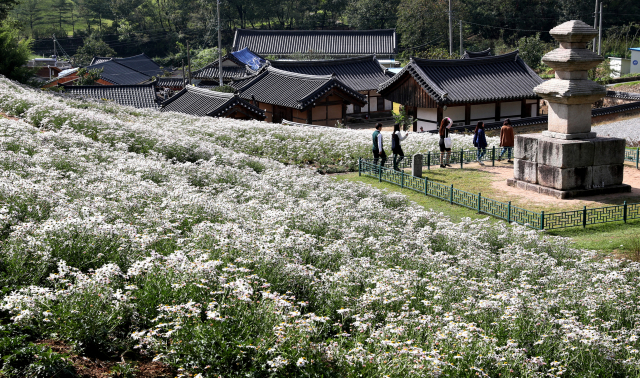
326, 108
525, 110
310, 116
439, 116
497, 111
467, 114
369, 103
344, 113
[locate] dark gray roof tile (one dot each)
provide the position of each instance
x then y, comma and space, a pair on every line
361, 73
330, 42
204, 102
138, 96
293, 90
485, 79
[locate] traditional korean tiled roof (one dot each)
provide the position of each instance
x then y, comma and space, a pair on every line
476, 54
205, 102
138, 96
293, 90
457, 81
171, 82
140, 63
118, 74
361, 73
249, 58
324, 42
210, 71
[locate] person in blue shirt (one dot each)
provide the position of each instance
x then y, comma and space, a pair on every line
480, 141
378, 149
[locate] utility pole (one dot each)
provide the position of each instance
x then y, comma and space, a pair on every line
461, 47
221, 83
189, 62
54, 46
600, 32
595, 25
184, 83
450, 29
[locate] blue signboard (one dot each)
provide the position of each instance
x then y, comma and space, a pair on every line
635, 62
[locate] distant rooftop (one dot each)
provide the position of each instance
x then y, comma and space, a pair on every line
320, 42
361, 73
138, 96
205, 102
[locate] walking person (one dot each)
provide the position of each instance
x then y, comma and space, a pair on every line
396, 138
377, 149
445, 142
480, 141
506, 140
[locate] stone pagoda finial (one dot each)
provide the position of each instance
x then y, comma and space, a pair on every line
571, 93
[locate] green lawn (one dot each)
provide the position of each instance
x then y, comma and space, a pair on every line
631, 83
618, 238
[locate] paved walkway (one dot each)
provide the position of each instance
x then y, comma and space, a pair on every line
627, 129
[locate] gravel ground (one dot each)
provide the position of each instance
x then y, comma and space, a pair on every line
628, 129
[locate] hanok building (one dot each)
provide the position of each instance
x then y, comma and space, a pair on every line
117, 71
320, 43
296, 97
237, 65
364, 74
488, 89
205, 102
137, 96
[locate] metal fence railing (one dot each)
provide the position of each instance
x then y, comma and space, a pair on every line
502, 210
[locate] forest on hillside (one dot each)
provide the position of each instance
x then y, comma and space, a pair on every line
161, 28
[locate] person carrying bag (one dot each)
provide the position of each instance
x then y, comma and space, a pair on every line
396, 137
480, 141
445, 142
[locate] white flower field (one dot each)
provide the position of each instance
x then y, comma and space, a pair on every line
206, 244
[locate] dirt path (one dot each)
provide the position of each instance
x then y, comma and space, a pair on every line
502, 171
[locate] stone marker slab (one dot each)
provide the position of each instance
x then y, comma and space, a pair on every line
565, 153
416, 165
525, 170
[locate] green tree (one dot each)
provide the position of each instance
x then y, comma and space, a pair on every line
5, 7
30, 13
92, 46
372, 14
88, 77
424, 23
532, 49
63, 10
15, 53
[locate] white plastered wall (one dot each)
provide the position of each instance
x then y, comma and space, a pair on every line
456, 113
429, 114
510, 110
484, 113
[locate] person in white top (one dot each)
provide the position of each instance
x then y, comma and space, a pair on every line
396, 138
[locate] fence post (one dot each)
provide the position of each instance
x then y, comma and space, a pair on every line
479, 200
429, 160
493, 156
508, 206
426, 186
451, 195
461, 157
402, 179
637, 156
360, 167
380, 173
542, 220
624, 215
584, 217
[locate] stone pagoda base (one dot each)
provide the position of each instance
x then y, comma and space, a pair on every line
567, 168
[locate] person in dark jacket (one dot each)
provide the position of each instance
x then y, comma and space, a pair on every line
480, 141
445, 125
396, 137
378, 149
506, 139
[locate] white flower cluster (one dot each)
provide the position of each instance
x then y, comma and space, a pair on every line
149, 230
